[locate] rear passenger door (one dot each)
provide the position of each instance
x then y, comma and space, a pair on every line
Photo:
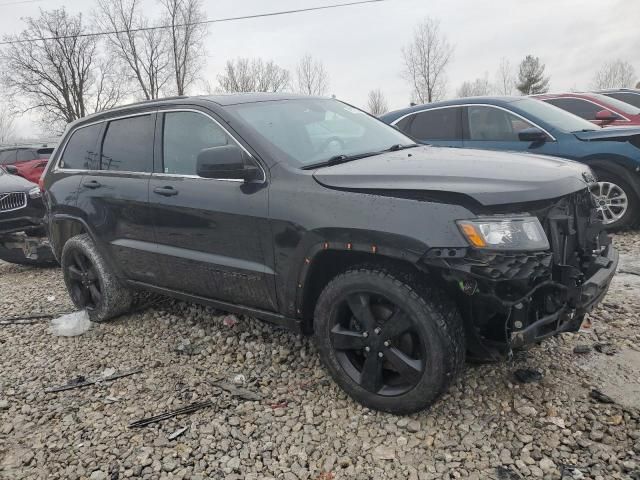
438, 126
491, 128
212, 233
114, 194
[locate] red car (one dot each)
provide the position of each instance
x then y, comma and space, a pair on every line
595, 107
30, 162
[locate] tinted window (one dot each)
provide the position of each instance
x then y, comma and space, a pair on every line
581, 108
128, 145
438, 124
45, 152
81, 149
540, 111
627, 97
7, 157
185, 135
494, 124
26, 154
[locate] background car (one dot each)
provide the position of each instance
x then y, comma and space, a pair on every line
627, 95
529, 125
29, 161
23, 237
598, 109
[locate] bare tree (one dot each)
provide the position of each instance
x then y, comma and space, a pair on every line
476, 88
144, 53
253, 75
426, 59
377, 102
7, 127
61, 74
615, 74
638, 85
311, 76
186, 32
506, 79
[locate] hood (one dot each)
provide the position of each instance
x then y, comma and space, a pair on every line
489, 177
609, 133
14, 183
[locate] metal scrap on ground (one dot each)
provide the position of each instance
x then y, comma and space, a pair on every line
81, 381
237, 391
173, 413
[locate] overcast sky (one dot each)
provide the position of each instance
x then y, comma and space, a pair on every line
361, 45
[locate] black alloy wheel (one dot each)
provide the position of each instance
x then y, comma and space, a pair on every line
84, 282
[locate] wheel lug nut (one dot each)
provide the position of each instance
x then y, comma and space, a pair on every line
377, 330
380, 354
386, 344
365, 334
366, 349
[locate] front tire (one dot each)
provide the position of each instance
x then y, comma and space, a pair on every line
391, 343
618, 205
90, 282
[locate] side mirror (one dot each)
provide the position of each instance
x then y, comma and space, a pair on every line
606, 116
225, 162
12, 169
532, 135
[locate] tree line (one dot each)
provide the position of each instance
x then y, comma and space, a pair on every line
60, 69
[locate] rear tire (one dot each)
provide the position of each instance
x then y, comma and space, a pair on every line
91, 284
388, 341
609, 188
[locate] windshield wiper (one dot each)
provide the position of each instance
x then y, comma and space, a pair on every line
338, 159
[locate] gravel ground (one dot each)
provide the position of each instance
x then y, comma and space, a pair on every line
487, 426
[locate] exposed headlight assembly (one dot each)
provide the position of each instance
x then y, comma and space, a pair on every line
35, 192
517, 233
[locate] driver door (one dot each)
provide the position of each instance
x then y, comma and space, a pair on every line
491, 128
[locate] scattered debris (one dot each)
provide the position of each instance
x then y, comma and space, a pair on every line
281, 404
239, 379
177, 433
108, 372
29, 319
505, 473
615, 420
238, 391
71, 324
606, 348
527, 375
571, 471
174, 413
600, 397
582, 349
80, 381
51, 298
229, 320
587, 326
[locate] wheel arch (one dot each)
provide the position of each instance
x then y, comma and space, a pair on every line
617, 165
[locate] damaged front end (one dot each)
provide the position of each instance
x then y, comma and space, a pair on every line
513, 298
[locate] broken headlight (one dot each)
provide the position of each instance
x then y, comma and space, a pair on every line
518, 233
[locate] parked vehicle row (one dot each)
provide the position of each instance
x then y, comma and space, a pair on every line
400, 259
533, 126
28, 162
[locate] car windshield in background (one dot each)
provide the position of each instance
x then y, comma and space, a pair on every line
554, 116
311, 131
620, 105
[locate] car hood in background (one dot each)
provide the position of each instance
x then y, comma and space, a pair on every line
489, 177
609, 133
14, 183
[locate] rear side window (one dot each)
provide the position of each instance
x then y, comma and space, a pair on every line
7, 157
627, 97
581, 108
128, 145
81, 150
45, 152
185, 135
438, 124
26, 154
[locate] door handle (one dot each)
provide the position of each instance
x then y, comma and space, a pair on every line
165, 191
92, 184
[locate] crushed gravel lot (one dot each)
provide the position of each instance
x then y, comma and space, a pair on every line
302, 426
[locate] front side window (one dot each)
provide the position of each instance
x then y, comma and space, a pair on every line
81, 150
308, 131
185, 135
128, 145
494, 124
581, 108
437, 124
7, 157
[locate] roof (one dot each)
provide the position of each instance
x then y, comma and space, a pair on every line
493, 100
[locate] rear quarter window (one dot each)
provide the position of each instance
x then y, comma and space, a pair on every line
81, 149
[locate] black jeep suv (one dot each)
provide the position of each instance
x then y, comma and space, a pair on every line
313, 215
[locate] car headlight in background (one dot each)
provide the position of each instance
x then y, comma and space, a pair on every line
518, 233
35, 192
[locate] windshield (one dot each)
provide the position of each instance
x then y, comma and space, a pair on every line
554, 116
620, 105
310, 131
